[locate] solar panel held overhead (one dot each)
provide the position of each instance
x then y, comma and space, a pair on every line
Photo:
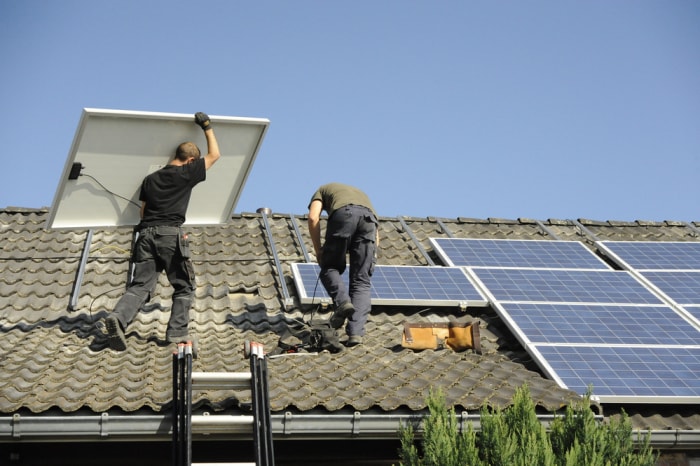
113, 150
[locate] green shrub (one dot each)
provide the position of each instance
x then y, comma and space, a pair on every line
514, 436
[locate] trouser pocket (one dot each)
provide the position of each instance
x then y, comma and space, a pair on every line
184, 245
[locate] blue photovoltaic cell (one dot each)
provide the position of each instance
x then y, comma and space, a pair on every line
406, 285
565, 286
682, 287
639, 372
516, 253
656, 255
606, 324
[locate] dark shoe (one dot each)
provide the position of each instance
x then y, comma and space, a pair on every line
341, 313
354, 340
115, 334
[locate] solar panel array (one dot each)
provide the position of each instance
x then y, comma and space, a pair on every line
399, 285
585, 324
654, 255
632, 335
672, 267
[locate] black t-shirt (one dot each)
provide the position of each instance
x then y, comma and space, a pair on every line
167, 193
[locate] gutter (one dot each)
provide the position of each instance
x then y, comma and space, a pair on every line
285, 426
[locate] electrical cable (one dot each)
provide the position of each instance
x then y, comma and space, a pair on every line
110, 192
92, 319
313, 309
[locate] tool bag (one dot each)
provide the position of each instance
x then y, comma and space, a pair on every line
312, 337
438, 335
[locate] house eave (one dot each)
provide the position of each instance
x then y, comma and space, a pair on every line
285, 426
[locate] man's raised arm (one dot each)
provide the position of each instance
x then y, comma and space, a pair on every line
213, 154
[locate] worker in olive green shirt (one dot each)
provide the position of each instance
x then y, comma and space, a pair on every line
351, 228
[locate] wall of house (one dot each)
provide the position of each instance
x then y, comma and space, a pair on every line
349, 452
678, 459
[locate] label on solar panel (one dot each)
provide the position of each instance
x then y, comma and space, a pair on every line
399, 285
516, 253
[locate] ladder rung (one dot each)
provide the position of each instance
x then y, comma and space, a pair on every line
221, 420
208, 424
223, 464
221, 380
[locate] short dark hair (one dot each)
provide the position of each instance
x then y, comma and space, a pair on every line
186, 150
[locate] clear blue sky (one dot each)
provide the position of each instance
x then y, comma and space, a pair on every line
538, 109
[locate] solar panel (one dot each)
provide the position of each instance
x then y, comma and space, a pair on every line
599, 329
516, 253
672, 267
638, 374
118, 148
654, 255
683, 287
588, 324
565, 286
399, 285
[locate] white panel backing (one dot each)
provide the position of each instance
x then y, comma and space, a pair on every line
118, 148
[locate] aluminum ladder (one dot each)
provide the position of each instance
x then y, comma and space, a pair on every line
185, 381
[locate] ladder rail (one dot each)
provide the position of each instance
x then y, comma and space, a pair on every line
188, 404
184, 422
262, 434
176, 409
182, 417
265, 413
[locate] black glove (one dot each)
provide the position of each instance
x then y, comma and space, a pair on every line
202, 119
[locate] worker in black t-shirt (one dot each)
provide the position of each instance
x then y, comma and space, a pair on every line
160, 243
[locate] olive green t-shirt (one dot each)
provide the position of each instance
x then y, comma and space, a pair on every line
333, 196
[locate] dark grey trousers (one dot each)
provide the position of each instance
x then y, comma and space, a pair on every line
351, 229
158, 249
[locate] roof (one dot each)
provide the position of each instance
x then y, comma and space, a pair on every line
56, 360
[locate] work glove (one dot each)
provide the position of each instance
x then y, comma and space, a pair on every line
202, 119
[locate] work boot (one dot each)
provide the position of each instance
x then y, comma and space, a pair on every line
115, 334
354, 340
341, 313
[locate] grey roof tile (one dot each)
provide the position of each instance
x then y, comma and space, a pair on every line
54, 357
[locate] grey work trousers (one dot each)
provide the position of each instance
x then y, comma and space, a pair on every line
351, 229
157, 249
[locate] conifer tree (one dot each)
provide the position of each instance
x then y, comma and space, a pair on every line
514, 436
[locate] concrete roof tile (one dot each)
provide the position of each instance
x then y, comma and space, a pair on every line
57, 358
